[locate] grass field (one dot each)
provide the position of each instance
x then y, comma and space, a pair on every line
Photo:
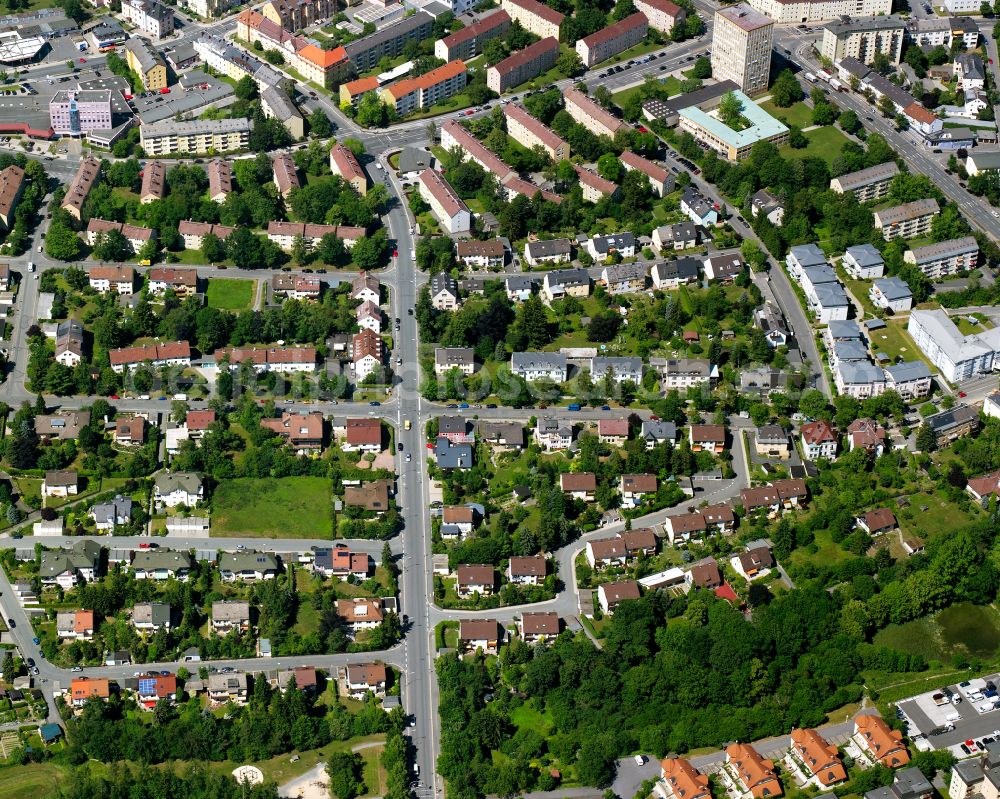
930, 515
528, 718
230, 294
893, 340
798, 114
38, 780
672, 84
824, 143
962, 629
287, 507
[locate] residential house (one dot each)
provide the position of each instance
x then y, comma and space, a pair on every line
64, 425
892, 294
613, 431
452, 456
863, 261
481, 634
698, 208
764, 498
177, 353
947, 426
360, 614
552, 434
83, 689
366, 288
679, 779
184, 282
765, 204
475, 579
752, 773
447, 358
444, 292
679, 236
634, 488
818, 759
117, 279
151, 689
360, 679
115, 513
487, 254
171, 489
868, 434
707, 438
617, 369
130, 431
724, 268
533, 366
303, 432
819, 440
565, 283
624, 278
75, 624
507, 435
61, 483
879, 742
229, 615
247, 566
519, 287
877, 522
704, 574
550, 251
983, 487
910, 379
161, 564
362, 435
579, 485
658, 432
610, 595
340, 562
151, 616
683, 373
224, 688
372, 496
539, 626
771, 441
366, 354
526, 570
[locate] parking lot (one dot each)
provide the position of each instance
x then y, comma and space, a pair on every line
949, 717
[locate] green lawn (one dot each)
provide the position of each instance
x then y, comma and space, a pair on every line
824, 551
893, 340
526, 717
968, 328
929, 515
962, 629
798, 114
286, 507
230, 294
38, 780
824, 143
672, 84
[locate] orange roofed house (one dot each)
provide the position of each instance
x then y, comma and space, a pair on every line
84, 688
680, 780
817, 757
879, 742
751, 772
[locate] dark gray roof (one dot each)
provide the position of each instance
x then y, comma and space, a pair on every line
412, 159
452, 456
808, 255
548, 248
893, 288
957, 416
844, 329
569, 277
908, 370
865, 254
614, 241
387, 34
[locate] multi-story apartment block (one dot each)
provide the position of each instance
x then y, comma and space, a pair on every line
11, 188
427, 90
116, 279
529, 132
295, 15
863, 39
797, 11
177, 353
194, 233
867, 184
523, 65
366, 52
198, 136
344, 163
147, 62
663, 15
286, 174
945, 257
741, 47
78, 191
906, 221
591, 114
209, 8
154, 182
660, 179
220, 179
612, 40
75, 113
136, 236
276, 104
150, 16
468, 42
284, 233
448, 208
957, 356
535, 17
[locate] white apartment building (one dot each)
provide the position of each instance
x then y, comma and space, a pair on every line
198, 136
863, 39
741, 47
944, 257
448, 208
798, 11
150, 16
957, 356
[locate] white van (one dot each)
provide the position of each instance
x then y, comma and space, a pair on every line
951, 718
